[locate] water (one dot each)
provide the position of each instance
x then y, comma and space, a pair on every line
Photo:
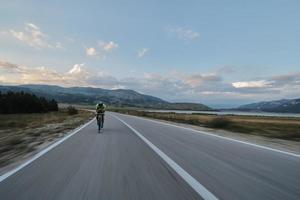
270, 114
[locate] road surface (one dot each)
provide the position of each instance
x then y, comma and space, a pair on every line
182, 164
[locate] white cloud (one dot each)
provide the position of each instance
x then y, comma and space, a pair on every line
91, 51
108, 46
183, 33
252, 84
34, 37
142, 52
32, 26
76, 69
102, 50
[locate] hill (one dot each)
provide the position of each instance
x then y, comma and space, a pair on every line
89, 95
284, 105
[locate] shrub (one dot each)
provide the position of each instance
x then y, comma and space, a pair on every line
219, 122
72, 110
194, 121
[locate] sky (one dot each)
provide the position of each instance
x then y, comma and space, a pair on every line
221, 53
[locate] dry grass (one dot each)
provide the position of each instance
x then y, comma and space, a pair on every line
23, 133
287, 128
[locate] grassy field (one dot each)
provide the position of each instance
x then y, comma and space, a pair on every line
287, 128
23, 133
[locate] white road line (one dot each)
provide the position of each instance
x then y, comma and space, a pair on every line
13, 171
218, 136
200, 189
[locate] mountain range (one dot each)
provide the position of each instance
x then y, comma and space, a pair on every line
284, 106
131, 98
90, 95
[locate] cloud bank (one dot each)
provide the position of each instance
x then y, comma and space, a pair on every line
172, 86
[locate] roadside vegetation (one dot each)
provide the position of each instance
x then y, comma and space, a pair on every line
22, 134
21, 102
287, 128
72, 110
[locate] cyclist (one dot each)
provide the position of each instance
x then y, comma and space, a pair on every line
100, 110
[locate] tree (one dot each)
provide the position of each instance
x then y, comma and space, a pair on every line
21, 102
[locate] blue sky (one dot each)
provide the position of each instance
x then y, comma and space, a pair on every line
226, 52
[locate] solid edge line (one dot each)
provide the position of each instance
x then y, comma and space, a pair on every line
200, 189
44, 151
218, 136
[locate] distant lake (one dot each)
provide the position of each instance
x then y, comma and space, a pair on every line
270, 114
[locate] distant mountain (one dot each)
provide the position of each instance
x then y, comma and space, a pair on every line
284, 105
89, 95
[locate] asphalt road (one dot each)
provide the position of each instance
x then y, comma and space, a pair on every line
118, 164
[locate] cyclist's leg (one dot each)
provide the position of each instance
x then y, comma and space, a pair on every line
102, 122
99, 124
98, 121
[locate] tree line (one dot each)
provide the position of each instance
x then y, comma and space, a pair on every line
21, 102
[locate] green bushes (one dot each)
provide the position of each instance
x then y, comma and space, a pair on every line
21, 102
72, 110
